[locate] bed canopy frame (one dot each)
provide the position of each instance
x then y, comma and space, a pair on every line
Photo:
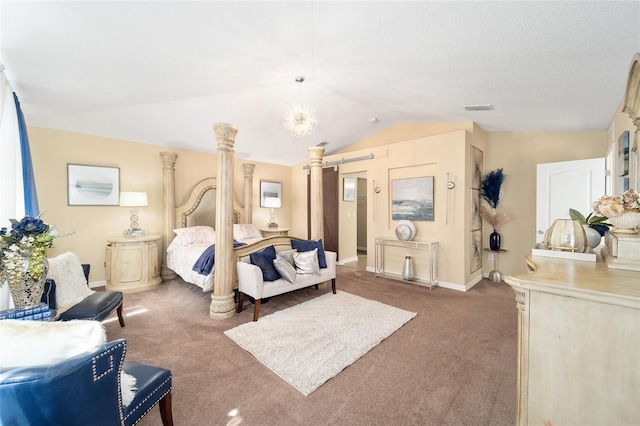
217, 194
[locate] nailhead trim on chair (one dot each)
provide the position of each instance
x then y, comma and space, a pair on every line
98, 377
144, 400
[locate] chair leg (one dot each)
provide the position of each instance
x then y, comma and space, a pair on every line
165, 410
240, 302
120, 317
333, 285
256, 310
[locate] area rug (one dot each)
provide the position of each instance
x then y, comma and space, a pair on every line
309, 343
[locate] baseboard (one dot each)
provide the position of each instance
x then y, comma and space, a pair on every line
95, 284
347, 260
364, 249
371, 269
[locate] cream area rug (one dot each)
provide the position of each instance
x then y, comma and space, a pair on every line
309, 343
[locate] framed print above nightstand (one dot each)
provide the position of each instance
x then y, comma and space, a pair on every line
92, 185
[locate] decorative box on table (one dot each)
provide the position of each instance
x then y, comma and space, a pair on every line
39, 313
622, 250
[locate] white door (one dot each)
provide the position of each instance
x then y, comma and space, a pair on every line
564, 185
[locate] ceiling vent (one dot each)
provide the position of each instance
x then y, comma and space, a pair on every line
483, 107
323, 143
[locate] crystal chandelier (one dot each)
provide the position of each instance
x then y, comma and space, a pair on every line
299, 119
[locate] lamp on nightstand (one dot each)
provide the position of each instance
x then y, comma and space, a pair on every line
134, 200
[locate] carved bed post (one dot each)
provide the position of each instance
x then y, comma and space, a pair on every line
168, 206
222, 300
248, 192
316, 196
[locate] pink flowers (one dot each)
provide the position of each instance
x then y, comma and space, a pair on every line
611, 206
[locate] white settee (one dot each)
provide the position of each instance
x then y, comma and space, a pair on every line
250, 280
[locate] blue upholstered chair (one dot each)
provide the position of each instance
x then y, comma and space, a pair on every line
83, 390
96, 306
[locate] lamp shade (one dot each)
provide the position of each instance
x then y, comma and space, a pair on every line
133, 199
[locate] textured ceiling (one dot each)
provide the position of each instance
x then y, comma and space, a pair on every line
164, 72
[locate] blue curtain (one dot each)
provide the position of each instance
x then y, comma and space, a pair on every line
30, 197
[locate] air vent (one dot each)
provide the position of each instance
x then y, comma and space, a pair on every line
323, 143
483, 107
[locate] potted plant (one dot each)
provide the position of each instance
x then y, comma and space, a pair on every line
594, 226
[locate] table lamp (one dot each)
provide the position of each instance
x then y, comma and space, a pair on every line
134, 200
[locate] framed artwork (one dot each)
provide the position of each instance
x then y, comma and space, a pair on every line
349, 189
476, 220
412, 199
270, 194
92, 185
476, 251
476, 167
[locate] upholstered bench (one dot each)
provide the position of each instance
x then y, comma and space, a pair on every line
251, 280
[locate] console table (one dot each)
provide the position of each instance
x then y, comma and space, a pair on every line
578, 343
132, 263
390, 255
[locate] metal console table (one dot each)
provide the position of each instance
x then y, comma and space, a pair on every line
430, 249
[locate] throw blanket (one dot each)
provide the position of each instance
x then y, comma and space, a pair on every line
204, 264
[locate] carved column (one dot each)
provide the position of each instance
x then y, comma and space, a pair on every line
248, 192
522, 381
222, 302
169, 208
316, 196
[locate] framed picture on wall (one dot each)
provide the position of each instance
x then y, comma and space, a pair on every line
476, 251
349, 189
412, 199
476, 220
270, 194
476, 167
92, 185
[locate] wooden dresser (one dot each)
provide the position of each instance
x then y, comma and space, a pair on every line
578, 343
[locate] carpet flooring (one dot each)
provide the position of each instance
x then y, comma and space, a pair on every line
309, 343
453, 364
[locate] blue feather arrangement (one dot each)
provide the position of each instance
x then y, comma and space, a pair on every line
491, 185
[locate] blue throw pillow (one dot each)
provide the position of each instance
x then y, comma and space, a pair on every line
303, 246
264, 260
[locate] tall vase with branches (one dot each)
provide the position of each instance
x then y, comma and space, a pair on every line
491, 193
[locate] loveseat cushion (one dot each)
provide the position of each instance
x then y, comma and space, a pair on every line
303, 246
285, 269
264, 260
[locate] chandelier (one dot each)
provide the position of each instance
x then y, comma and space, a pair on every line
299, 119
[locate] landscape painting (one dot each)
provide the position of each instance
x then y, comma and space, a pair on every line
412, 199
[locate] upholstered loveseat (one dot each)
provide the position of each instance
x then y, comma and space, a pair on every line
251, 280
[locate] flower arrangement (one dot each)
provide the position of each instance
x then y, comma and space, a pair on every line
612, 206
24, 248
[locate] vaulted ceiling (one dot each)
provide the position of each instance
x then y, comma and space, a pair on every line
164, 72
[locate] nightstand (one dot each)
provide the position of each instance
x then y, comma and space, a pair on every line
132, 264
274, 232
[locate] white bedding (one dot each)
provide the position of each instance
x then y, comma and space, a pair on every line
186, 248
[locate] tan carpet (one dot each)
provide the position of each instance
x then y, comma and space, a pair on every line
453, 364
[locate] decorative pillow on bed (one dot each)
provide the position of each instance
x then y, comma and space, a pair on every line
196, 234
307, 262
264, 260
302, 246
245, 231
284, 268
288, 256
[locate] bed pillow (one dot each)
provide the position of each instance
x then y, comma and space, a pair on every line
303, 246
264, 260
245, 231
196, 234
307, 262
285, 269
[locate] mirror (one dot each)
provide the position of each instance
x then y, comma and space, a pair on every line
270, 194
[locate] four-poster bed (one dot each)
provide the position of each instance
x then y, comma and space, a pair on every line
200, 209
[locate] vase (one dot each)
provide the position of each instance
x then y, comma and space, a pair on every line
626, 222
593, 237
566, 235
494, 241
26, 290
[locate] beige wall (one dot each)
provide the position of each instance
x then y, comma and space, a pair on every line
140, 170
518, 153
